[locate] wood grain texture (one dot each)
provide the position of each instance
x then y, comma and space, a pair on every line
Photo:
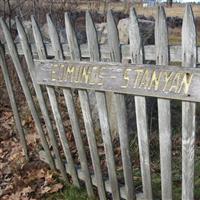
102, 110
84, 100
164, 112
114, 52
54, 104
74, 118
13, 103
26, 90
189, 58
79, 141
119, 107
137, 56
149, 51
122, 78
40, 97
94, 181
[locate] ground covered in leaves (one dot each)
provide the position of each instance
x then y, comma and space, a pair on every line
22, 180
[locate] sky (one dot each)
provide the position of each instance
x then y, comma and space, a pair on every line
189, 1
185, 1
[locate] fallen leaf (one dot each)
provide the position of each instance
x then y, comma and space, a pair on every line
27, 190
56, 188
45, 189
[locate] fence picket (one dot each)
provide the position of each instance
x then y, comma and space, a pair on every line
75, 55
76, 128
40, 47
29, 98
110, 106
114, 56
189, 59
102, 109
164, 113
13, 103
120, 109
137, 56
40, 97
54, 104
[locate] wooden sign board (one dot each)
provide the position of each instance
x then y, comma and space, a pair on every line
169, 82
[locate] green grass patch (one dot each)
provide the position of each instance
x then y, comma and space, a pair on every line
69, 193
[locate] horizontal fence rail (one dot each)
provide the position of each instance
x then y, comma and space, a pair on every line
64, 69
149, 80
149, 51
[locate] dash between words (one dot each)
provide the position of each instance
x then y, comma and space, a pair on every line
136, 77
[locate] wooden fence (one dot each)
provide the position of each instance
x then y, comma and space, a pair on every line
111, 81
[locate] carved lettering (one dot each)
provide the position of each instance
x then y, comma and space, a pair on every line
176, 82
85, 75
145, 79
138, 76
185, 84
100, 77
159, 80
168, 77
54, 74
155, 80
68, 73
126, 78
93, 77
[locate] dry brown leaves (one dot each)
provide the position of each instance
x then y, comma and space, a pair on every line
19, 179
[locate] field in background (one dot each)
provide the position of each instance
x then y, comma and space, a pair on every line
174, 11
175, 38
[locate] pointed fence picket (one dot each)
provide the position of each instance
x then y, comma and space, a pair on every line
84, 101
164, 113
110, 105
24, 84
40, 97
53, 101
189, 57
13, 103
137, 57
120, 109
102, 109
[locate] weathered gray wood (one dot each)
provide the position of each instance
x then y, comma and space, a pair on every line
13, 104
17, 64
75, 128
40, 97
137, 57
84, 100
39, 45
75, 55
164, 113
149, 51
189, 58
115, 56
119, 108
62, 135
102, 109
78, 139
94, 180
124, 145
122, 78
54, 104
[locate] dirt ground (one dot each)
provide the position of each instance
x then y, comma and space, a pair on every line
32, 180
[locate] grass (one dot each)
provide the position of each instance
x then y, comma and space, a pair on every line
69, 193
175, 10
